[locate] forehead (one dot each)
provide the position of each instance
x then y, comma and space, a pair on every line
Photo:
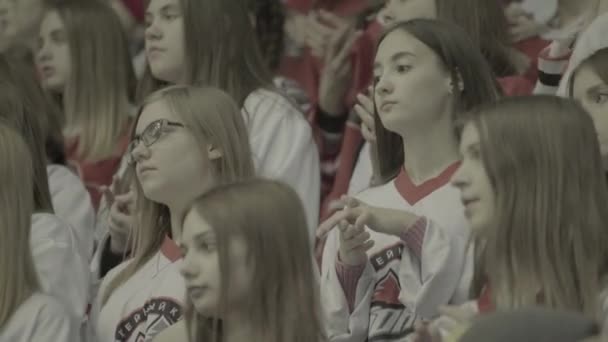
399, 41
51, 21
153, 111
157, 5
194, 224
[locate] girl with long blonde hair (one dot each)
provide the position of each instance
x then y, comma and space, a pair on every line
60, 250
29, 104
186, 141
247, 277
25, 313
213, 42
83, 58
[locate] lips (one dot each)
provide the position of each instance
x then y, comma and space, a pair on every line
144, 169
387, 106
47, 71
468, 201
196, 292
154, 50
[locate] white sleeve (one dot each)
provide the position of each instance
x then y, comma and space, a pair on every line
54, 324
431, 276
72, 204
62, 272
284, 149
342, 326
363, 172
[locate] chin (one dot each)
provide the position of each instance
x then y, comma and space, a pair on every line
54, 85
155, 192
160, 72
204, 308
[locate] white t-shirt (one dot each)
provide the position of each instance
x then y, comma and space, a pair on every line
40, 319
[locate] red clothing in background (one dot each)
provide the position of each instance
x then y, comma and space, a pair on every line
96, 173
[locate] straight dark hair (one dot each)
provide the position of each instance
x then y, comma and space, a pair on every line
462, 59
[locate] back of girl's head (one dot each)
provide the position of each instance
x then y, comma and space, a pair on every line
221, 49
542, 158
214, 119
269, 217
101, 81
18, 277
24, 106
486, 25
473, 80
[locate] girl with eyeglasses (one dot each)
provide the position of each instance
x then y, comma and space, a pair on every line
186, 141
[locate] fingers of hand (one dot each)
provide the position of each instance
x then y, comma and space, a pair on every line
366, 102
119, 223
366, 118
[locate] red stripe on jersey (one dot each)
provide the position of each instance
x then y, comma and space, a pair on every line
170, 250
413, 193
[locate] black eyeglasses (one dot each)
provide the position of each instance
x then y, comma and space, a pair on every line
150, 135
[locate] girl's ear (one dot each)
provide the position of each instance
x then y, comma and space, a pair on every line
455, 81
214, 153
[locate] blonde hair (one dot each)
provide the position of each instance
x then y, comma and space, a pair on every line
283, 303
18, 279
214, 119
221, 49
102, 79
22, 106
465, 64
548, 242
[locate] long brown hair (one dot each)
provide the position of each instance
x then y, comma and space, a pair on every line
466, 66
222, 50
102, 81
18, 279
283, 303
212, 117
23, 106
547, 244
486, 25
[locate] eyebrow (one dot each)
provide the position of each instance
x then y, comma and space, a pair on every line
597, 87
473, 146
203, 236
397, 56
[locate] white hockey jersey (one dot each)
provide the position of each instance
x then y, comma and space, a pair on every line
150, 301
40, 319
73, 205
404, 279
283, 147
62, 271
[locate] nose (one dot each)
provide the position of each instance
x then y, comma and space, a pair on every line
188, 269
460, 178
153, 31
140, 152
43, 53
383, 87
